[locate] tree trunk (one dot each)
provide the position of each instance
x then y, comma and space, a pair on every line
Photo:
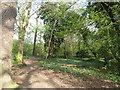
20, 46
7, 16
35, 37
51, 45
25, 16
51, 42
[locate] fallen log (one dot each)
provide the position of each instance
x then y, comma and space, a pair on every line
72, 65
78, 66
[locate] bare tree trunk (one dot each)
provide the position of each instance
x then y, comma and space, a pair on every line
7, 19
35, 37
51, 45
25, 15
20, 45
51, 42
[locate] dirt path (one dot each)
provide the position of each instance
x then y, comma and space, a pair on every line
34, 76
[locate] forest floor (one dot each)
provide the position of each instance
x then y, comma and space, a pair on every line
34, 76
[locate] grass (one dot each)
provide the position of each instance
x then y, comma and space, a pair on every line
12, 85
31, 56
15, 63
84, 73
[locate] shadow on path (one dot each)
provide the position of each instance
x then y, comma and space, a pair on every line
34, 76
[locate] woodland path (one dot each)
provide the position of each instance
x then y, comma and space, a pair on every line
34, 76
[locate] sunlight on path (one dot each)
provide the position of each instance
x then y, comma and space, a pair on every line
34, 76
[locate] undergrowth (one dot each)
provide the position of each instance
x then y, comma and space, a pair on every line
81, 72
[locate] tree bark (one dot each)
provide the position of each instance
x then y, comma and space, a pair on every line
35, 37
25, 16
50, 52
20, 45
7, 19
51, 42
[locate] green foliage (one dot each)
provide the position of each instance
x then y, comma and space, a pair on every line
81, 72
19, 57
15, 47
57, 20
40, 49
91, 34
27, 49
82, 53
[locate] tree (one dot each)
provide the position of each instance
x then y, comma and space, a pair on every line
35, 37
53, 15
105, 17
7, 16
22, 24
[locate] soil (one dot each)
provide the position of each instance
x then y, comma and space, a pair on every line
34, 76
